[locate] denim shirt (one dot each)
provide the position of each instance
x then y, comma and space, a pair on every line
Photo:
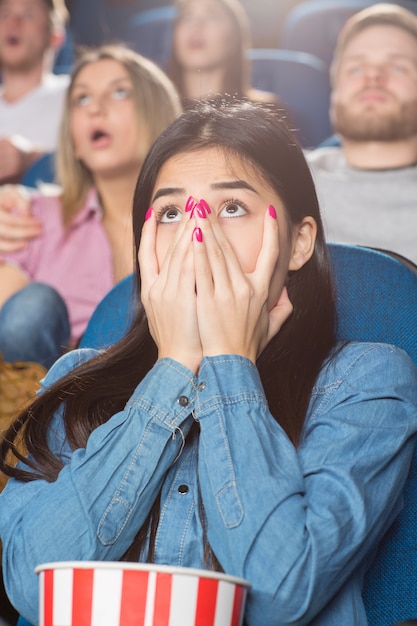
299, 524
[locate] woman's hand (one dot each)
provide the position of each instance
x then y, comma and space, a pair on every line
17, 225
168, 293
235, 315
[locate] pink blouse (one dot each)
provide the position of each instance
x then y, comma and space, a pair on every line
76, 260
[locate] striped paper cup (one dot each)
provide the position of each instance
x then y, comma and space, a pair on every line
89, 593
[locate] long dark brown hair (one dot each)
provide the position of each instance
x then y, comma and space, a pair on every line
96, 390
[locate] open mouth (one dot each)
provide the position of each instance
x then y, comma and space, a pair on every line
100, 138
13, 40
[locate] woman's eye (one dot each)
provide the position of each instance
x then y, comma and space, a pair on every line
233, 209
81, 100
169, 215
121, 93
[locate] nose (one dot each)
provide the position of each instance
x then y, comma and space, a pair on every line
375, 74
97, 105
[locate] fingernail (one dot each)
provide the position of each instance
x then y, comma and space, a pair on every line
272, 212
201, 212
148, 213
198, 234
205, 206
189, 204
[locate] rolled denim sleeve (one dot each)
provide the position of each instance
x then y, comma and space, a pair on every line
105, 491
298, 522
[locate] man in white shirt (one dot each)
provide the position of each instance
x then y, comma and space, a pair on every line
367, 186
31, 97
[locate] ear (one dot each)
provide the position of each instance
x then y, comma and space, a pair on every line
303, 243
57, 38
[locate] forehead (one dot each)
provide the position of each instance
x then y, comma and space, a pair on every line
383, 40
206, 167
203, 6
101, 72
25, 4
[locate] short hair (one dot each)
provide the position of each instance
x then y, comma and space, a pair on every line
381, 14
58, 13
157, 104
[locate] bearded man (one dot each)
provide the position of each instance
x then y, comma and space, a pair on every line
367, 186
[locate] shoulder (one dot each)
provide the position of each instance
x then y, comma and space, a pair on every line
67, 363
364, 388
360, 372
263, 97
48, 209
328, 158
50, 93
354, 360
55, 83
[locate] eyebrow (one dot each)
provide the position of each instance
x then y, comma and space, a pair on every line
229, 184
112, 82
392, 55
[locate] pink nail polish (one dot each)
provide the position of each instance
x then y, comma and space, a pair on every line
198, 234
148, 213
205, 206
272, 212
189, 204
201, 212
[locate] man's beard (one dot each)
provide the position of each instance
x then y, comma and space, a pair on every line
372, 125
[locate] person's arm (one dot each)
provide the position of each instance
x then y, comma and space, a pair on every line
15, 266
104, 492
17, 225
297, 523
12, 279
16, 156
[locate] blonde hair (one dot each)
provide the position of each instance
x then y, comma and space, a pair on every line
378, 14
157, 104
58, 13
237, 68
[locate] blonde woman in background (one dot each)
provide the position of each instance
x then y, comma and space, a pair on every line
118, 102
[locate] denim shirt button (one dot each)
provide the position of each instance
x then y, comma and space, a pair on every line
183, 401
202, 386
183, 489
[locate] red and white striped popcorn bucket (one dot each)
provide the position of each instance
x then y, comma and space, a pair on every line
90, 593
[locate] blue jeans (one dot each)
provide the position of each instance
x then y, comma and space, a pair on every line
34, 325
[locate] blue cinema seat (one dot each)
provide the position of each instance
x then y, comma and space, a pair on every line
41, 171
112, 316
301, 81
150, 33
377, 301
65, 57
